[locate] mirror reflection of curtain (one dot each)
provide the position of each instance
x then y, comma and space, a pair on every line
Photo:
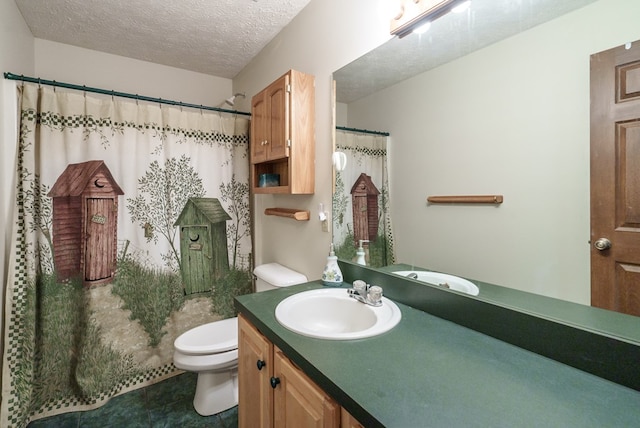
131, 227
361, 199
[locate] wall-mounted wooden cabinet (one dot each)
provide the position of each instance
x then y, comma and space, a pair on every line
276, 393
283, 134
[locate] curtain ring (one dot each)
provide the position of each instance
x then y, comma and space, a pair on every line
54, 86
201, 110
113, 96
137, 99
39, 87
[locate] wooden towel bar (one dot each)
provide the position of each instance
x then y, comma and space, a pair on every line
466, 199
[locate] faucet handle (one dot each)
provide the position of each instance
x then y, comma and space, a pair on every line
361, 287
375, 294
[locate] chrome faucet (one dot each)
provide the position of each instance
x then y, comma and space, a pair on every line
365, 293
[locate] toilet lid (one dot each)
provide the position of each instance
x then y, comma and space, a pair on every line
211, 338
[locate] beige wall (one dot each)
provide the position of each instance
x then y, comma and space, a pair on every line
511, 119
327, 35
66, 63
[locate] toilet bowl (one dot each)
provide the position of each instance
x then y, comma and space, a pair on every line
211, 350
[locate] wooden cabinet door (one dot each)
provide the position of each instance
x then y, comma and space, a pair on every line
283, 134
277, 96
348, 421
260, 128
298, 401
255, 395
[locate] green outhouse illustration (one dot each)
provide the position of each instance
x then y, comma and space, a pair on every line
203, 244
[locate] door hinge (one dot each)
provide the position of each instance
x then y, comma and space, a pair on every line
289, 88
289, 143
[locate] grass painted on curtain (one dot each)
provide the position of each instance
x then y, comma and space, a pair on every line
81, 327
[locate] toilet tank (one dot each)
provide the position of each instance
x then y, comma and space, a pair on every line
273, 275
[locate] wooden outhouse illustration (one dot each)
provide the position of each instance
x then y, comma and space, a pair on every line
85, 220
364, 202
203, 243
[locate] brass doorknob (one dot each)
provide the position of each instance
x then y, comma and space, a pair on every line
602, 244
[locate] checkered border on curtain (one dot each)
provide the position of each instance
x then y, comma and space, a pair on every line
144, 379
57, 121
366, 151
16, 334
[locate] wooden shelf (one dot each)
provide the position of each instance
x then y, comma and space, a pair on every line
466, 199
299, 215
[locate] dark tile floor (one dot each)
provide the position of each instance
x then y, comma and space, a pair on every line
166, 404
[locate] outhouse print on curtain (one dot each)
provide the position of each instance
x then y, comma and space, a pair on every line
361, 199
132, 226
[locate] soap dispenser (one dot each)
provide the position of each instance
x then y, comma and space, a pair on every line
332, 275
360, 259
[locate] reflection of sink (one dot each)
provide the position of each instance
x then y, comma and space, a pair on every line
330, 313
440, 279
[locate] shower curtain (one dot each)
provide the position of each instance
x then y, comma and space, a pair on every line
361, 199
131, 226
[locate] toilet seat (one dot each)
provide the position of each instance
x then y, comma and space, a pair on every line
199, 363
212, 338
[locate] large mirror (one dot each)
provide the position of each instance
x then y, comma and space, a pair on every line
493, 101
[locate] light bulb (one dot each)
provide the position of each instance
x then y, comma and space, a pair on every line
423, 28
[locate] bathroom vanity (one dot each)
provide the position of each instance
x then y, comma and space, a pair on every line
274, 392
426, 371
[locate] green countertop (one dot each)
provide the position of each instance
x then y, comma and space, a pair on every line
429, 372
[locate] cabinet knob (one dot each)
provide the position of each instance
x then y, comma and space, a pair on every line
261, 364
274, 382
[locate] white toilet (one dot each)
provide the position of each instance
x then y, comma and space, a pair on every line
211, 349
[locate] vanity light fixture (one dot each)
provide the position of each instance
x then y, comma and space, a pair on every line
415, 13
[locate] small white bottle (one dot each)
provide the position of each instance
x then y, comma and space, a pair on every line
332, 275
360, 259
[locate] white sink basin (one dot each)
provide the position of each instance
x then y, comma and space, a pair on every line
443, 280
329, 313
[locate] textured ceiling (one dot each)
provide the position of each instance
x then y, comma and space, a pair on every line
450, 37
216, 37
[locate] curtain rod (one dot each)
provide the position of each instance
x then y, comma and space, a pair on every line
364, 131
39, 81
